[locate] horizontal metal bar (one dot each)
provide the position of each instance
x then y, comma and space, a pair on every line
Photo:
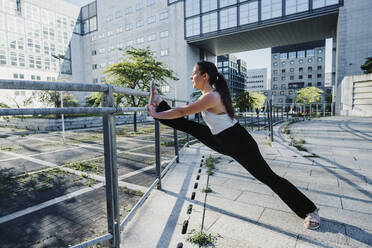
93, 241
48, 111
45, 85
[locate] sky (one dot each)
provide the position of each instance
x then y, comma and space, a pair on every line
79, 2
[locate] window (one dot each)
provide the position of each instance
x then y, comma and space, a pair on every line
271, 9
228, 18
139, 6
300, 77
320, 59
275, 56
128, 10
109, 33
283, 70
192, 7
291, 70
109, 18
209, 22
163, 34
309, 84
282, 87
275, 72
139, 23
310, 52
283, 63
320, 51
150, 2
102, 50
300, 70
94, 66
275, 86
128, 27
291, 77
163, 52
319, 84
281, 92
163, 16
129, 43
151, 20
283, 56
119, 30
295, 6
301, 54
95, 80
291, 62
310, 60
319, 67
118, 14
300, 61
309, 69
151, 37
292, 55
309, 76
248, 13
283, 78
290, 92
15, 76
319, 76
140, 40
192, 26
208, 5
275, 64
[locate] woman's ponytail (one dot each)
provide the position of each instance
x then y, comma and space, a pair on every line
219, 82
223, 89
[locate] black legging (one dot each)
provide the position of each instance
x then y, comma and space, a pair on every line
237, 143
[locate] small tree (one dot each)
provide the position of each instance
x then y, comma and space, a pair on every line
53, 98
136, 71
367, 66
258, 100
309, 95
243, 101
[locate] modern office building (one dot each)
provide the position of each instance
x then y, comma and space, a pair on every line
256, 80
32, 33
234, 71
294, 67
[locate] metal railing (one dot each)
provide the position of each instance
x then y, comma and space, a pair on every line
108, 110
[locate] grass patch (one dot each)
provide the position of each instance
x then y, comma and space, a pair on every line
313, 155
207, 190
7, 148
94, 165
131, 191
201, 239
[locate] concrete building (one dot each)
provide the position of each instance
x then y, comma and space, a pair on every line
234, 71
295, 67
256, 80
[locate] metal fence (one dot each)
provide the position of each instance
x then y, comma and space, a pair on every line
271, 115
108, 110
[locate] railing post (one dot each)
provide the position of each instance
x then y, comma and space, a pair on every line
157, 152
109, 139
324, 106
187, 135
62, 119
271, 121
175, 138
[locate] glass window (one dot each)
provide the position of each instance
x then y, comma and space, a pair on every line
309, 76
271, 9
301, 54
163, 52
248, 13
208, 5
291, 62
163, 16
283, 56
128, 26
292, 55
295, 6
150, 2
310, 68
310, 60
320, 59
209, 22
128, 10
284, 63
228, 18
275, 64
192, 7
300, 77
140, 40
224, 3
192, 26
109, 18
319, 84
118, 14
319, 76
2, 57
151, 19
139, 23
163, 34
139, 6
310, 52
319, 67
309, 84
320, 51
152, 37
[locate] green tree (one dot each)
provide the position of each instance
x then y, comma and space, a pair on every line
136, 71
367, 66
309, 95
258, 100
53, 98
243, 101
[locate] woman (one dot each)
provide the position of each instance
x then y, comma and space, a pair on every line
225, 135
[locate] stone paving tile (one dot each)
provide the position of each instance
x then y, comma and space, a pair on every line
19, 166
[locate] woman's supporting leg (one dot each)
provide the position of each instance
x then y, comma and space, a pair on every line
200, 132
244, 149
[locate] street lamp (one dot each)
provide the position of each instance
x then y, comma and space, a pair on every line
61, 57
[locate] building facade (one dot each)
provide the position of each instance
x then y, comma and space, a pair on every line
234, 71
256, 80
295, 67
32, 35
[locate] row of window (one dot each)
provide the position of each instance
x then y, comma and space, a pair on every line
300, 61
300, 70
283, 87
32, 77
298, 54
257, 81
255, 87
150, 19
247, 12
299, 77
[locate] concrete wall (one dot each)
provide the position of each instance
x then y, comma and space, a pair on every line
356, 95
354, 35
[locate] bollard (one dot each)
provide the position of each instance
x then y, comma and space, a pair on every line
157, 153
175, 137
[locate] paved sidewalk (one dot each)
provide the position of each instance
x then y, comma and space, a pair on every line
335, 173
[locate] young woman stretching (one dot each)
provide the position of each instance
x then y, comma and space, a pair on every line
225, 135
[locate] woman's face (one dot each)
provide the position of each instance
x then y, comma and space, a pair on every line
197, 79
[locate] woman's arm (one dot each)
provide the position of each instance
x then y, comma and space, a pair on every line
203, 103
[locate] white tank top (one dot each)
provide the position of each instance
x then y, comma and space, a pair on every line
217, 123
